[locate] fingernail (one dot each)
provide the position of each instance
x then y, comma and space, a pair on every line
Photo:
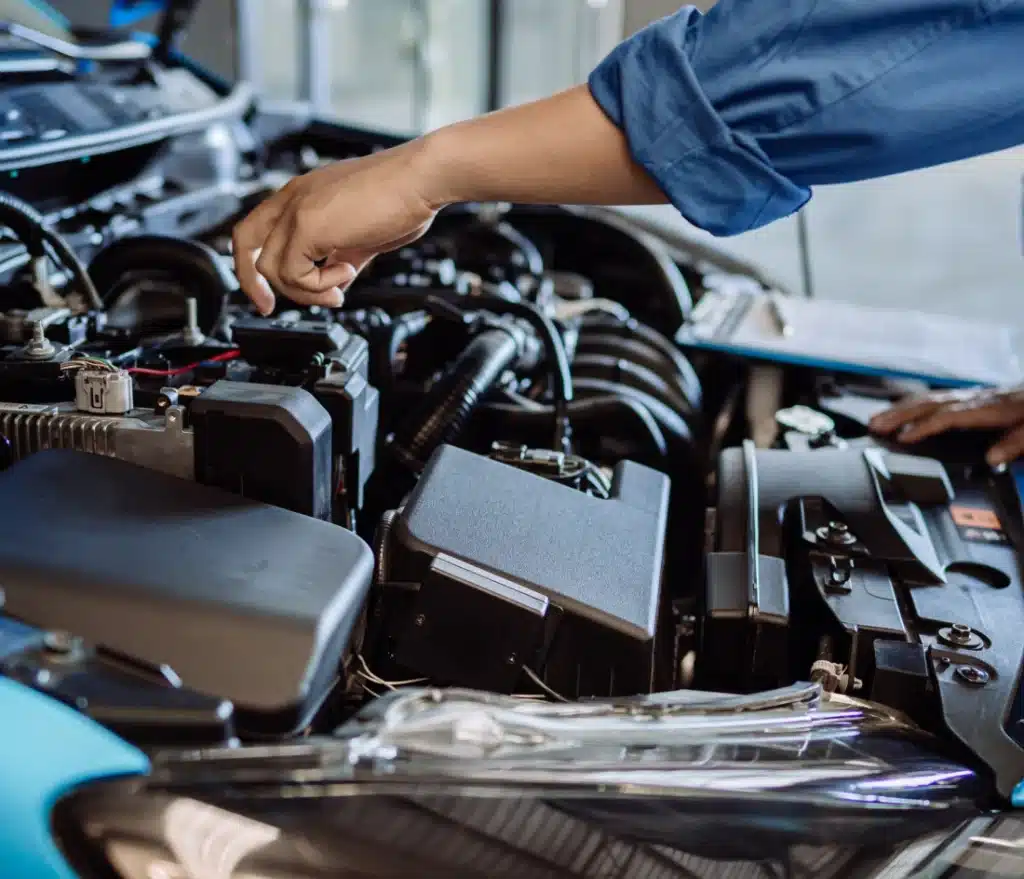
996, 459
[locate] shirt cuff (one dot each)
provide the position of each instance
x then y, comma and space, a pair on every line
718, 179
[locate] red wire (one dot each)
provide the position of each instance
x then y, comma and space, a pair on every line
165, 373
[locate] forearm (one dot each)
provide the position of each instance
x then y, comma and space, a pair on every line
561, 150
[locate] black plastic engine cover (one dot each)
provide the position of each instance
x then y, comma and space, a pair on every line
266, 442
889, 576
532, 573
242, 600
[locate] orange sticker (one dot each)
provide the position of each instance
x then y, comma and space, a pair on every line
976, 517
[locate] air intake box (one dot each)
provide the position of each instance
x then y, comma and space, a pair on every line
515, 570
242, 600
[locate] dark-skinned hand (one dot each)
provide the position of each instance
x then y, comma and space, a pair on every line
919, 418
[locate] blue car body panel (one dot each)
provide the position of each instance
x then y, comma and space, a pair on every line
46, 750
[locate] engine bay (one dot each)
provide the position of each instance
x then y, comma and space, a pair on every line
492, 469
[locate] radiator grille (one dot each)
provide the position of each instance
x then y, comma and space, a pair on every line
31, 432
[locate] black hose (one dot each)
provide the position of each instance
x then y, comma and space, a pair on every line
616, 369
557, 358
401, 330
669, 421
31, 228
606, 324
454, 397
604, 410
642, 354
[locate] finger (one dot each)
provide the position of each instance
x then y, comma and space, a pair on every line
962, 416
912, 409
899, 415
1008, 449
269, 261
247, 241
303, 271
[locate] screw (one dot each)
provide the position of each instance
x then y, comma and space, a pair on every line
972, 676
512, 660
943, 662
420, 620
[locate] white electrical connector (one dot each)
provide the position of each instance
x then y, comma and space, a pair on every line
104, 392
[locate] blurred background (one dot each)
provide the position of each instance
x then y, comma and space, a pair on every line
946, 239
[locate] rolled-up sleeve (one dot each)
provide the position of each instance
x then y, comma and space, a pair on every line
736, 113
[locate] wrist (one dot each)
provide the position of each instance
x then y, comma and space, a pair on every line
435, 161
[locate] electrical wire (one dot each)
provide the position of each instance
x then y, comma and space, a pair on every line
41, 241
369, 674
533, 676
181, 370
87, 361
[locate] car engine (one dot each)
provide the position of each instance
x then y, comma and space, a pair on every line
492, 469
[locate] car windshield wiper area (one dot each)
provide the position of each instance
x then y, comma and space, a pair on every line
124, 50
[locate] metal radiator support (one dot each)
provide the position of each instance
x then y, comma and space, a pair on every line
157, 441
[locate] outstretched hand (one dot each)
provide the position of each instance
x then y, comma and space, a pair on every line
311, 239
922, 417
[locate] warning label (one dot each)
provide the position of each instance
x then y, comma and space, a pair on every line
976, 517
978, 524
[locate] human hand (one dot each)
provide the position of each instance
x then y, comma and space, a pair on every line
921, 417
310, 239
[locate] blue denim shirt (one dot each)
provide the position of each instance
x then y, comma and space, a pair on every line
737, 112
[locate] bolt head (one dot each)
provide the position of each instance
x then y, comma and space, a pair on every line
836, 533
973, 676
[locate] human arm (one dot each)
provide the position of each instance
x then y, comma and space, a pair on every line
731, 116
563, 149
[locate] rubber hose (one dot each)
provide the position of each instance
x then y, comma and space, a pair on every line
643, 355
453, 398
633, 375
402, 330
606, 324
604, 409
30, 227
397, 334
558, 359
669, 421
